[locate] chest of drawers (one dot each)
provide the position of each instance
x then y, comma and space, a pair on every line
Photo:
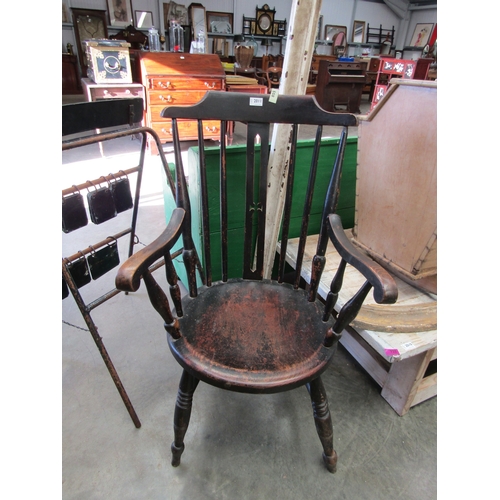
173, 79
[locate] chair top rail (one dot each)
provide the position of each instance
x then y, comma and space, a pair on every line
259, 108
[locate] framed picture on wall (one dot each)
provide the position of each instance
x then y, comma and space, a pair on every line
143, 19
177, 12
220, 22
421, 34
120, 13
332, 29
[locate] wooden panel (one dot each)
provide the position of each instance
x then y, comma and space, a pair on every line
396, 180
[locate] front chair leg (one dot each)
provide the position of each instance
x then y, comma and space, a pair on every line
323, 421
182, 414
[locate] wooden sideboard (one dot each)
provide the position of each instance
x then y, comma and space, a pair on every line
178, 78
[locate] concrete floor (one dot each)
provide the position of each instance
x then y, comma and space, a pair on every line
238, 446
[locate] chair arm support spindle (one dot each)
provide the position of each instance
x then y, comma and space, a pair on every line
351, 308
333, 294
160, 302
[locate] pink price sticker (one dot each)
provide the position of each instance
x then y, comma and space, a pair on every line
391, 352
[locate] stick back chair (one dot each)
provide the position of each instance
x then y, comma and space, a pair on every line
248, 333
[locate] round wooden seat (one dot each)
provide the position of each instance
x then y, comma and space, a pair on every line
252, 336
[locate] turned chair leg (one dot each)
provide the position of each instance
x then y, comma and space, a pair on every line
182, 414
323, 421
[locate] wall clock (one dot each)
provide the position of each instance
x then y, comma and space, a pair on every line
265, 20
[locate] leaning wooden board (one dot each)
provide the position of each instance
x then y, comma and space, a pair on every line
396, 186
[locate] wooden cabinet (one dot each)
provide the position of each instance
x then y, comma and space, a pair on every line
178, 78
316, 59
340, 83
70, 77
386, 69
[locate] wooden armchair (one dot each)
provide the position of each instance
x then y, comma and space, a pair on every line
241, 331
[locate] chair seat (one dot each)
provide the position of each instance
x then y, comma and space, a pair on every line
252, 336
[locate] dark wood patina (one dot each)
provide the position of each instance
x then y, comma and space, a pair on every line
247, 333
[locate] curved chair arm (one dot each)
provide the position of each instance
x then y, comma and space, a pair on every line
385, 290
129, 275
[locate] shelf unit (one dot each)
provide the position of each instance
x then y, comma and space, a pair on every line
380, 34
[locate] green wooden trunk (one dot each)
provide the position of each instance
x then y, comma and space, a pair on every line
236, 194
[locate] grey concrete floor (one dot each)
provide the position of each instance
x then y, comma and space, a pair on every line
238, 446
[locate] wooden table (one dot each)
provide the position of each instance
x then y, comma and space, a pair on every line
401, 363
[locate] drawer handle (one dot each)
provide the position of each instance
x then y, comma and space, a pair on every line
166, 99
211, 129
210, 86
167, 85
165, 131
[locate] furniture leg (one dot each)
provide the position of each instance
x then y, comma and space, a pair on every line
182, 414
323, 421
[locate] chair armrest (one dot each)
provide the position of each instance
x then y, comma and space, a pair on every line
129, 274
385, 290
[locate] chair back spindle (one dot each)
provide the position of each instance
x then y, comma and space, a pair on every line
258, 143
